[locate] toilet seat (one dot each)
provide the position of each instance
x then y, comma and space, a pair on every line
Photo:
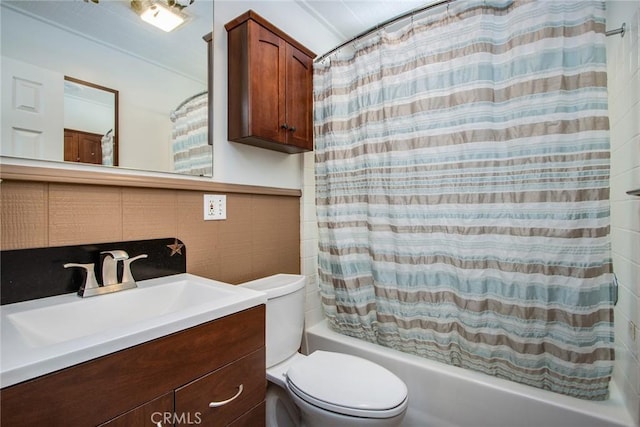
347, 385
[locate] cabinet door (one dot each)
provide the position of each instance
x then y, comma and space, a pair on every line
234, 389
270, 87
70, 146
267, 82
82, 147
90, 149
299, 98
157, 413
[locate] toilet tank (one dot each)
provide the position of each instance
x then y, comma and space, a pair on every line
285, 314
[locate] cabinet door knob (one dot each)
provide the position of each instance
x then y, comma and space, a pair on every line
292, 129
284, 126
224, 402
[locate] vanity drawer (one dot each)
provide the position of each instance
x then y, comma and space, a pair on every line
222, 385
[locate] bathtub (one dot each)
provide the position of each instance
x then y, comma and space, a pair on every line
445, 396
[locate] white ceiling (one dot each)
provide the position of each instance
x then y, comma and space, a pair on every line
114, 23
348, 18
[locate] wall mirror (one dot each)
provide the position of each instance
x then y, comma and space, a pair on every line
90, 123
159, 81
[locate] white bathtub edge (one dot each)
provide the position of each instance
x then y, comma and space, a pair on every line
611, 412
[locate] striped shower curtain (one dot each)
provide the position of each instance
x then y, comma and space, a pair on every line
192, 154
462, 167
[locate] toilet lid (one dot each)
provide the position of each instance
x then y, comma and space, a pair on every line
347, 384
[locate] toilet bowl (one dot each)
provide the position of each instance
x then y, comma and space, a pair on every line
281, 412
324, 388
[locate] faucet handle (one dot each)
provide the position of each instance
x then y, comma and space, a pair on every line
90, 281
126, 273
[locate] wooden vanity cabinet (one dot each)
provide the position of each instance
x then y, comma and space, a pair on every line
270, 86
149, 414
223, 385
170, 380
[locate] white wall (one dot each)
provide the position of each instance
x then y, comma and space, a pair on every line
624, 117
243, 164
233, 163
88, 115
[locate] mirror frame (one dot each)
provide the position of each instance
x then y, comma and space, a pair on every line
116, 151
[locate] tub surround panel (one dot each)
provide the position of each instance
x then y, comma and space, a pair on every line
38, 273
260, 237
623, 72
309, 243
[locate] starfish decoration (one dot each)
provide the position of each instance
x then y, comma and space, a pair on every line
176, 248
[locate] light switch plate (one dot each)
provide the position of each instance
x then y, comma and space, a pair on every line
215, 207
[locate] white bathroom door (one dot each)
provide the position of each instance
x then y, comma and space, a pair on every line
32, 111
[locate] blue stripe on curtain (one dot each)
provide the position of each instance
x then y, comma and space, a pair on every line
192, 154
462, 176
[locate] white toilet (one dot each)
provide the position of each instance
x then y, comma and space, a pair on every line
325, 388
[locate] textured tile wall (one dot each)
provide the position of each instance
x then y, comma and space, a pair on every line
309, 243
624, 116
260, 237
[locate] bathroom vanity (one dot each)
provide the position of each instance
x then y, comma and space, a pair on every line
168, 380
174, 350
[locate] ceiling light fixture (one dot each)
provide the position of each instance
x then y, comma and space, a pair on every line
155, 13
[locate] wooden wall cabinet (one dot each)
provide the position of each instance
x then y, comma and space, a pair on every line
270, 87
82, 147
167, 381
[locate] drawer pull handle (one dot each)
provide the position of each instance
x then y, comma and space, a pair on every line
224, 402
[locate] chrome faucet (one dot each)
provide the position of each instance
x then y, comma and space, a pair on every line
110, 281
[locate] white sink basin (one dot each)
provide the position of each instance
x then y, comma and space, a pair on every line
44, 335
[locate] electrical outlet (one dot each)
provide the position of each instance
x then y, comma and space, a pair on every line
215, 207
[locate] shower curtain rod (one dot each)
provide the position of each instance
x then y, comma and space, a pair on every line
384, 24
620, 31
412, 12
189, 99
